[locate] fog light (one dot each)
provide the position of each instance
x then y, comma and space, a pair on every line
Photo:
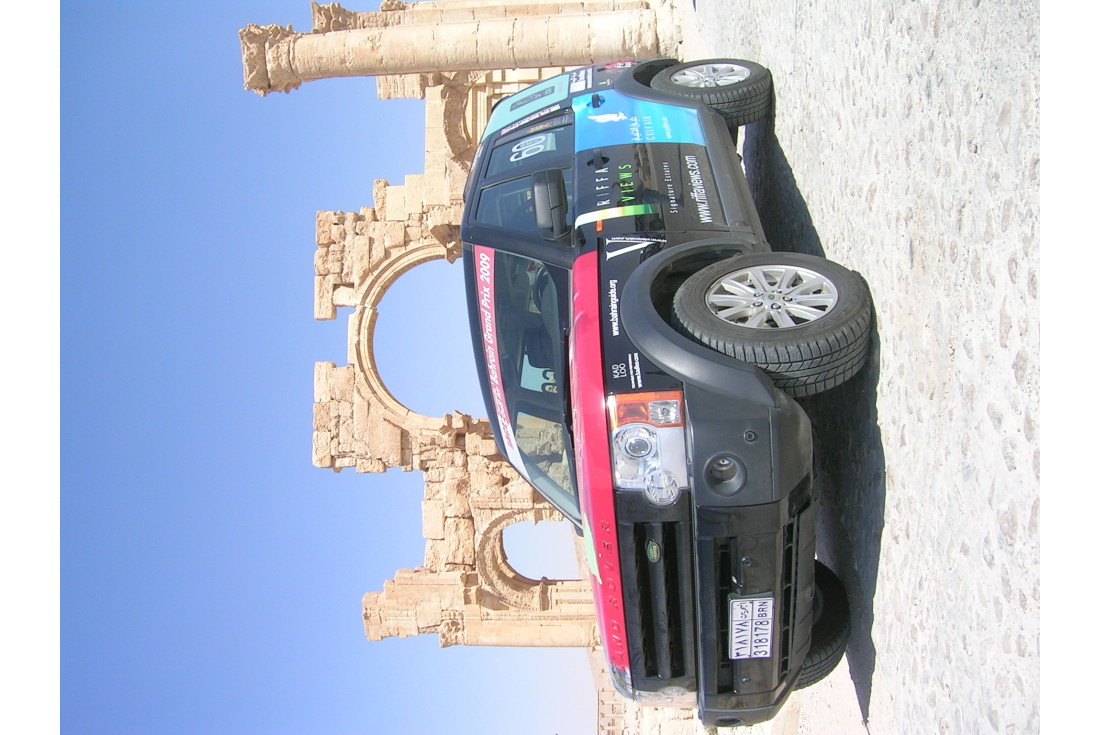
661, 488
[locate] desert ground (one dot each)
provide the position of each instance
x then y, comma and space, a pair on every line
905, 145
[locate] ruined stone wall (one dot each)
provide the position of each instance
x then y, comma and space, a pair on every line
465, 592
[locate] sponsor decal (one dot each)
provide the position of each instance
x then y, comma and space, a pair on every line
698, 189
751, 627
533, 145
616, 246
632, 368
530, 118
543, 94
598, 216
613, 306
622, 119
607, 117
487, 311
619, 65
670, 188
580, 80
527, 99
622, 179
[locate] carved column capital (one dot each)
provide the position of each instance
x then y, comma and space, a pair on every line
267, 55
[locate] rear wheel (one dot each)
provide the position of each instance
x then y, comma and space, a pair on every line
740, 91
832, 626
803, 320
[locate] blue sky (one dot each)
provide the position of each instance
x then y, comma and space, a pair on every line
211, 577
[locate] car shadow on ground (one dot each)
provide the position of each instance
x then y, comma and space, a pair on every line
847, 440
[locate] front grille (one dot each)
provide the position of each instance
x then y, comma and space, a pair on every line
662, 648
747, 566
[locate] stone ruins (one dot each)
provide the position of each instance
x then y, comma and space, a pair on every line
465, 592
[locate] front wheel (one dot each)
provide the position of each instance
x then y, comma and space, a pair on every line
803, 320
740, 91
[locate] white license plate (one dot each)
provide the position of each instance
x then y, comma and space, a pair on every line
751, 627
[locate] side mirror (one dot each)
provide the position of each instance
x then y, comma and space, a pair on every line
551, 203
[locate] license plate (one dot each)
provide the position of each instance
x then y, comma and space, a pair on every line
751, 627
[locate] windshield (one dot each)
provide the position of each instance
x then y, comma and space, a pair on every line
522, 336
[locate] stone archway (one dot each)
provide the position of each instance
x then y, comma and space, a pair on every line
465, 592
499, 577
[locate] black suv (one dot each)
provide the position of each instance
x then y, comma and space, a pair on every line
640, 348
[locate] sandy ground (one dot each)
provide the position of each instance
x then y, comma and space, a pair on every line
905, 145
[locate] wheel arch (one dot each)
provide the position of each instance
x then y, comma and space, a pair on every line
645, 308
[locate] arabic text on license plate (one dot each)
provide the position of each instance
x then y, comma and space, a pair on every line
751, 627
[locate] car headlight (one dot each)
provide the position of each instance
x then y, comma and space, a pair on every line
647, 444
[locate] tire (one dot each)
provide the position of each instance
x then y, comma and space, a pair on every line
738, 90
832, 626
803, 320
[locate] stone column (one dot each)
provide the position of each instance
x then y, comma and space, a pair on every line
333, 17
278, 60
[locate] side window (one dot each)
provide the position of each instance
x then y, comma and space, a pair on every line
526, 151
511, 204
508, 205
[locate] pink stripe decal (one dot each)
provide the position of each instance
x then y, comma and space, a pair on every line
596, 494
485, 295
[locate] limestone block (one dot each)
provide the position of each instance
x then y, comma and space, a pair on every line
358, 247
338, 233
345, 438
457, 15
322, 452
324, 228
379, 192
434, 554
322, 416
432, 518
429, 615
395, 203
452, 632
391, 446
393, 233
370, 465
344, 296
324, 308
322, 381
456, 496
434, 191
489, 12
341, 383
361, 411
414, 193
459, 460
473, 444
320, 260
459, 541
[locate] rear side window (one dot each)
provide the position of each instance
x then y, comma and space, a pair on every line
527, 151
